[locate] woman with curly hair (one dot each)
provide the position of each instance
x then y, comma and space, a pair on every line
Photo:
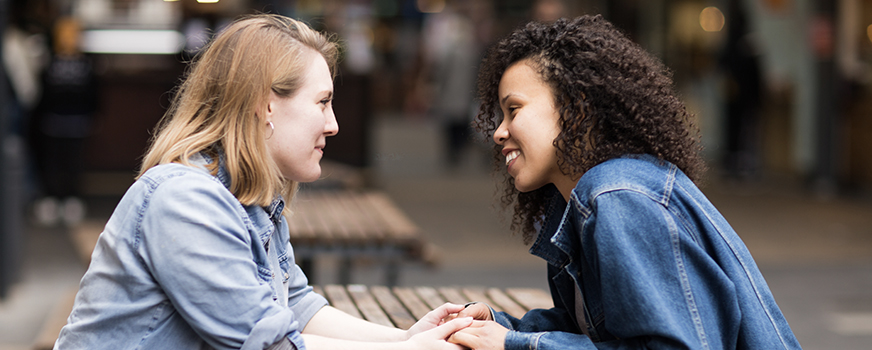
601, 160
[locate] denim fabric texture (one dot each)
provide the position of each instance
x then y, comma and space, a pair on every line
657, 265
181, 264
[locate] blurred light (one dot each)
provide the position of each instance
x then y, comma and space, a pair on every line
430, 6
170, 0
869, 32
207, 1
711, 19
133, 41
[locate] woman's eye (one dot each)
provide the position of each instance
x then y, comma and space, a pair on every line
326, 101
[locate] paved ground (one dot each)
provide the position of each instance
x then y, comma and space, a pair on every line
816, 254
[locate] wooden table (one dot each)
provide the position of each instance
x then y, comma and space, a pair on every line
353, 224
395, 307
401, 307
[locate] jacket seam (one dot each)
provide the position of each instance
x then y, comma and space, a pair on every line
748, 275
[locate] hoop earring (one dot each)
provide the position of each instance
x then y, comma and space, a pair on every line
272, 129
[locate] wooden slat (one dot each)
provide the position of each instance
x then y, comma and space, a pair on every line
300, 224
392, 306
507, 304
341, 220
453, 295
367, 305
326, 227
531, 298
368, 220
478, 294
430, 297
400, 225
412, 302
339, 299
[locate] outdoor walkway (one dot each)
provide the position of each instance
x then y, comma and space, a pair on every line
816, 254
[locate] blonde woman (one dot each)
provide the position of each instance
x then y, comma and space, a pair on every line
196, 254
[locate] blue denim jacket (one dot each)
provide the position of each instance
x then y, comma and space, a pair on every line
655, 264
181, 264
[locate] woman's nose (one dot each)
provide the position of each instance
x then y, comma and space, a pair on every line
331, 128
502, 133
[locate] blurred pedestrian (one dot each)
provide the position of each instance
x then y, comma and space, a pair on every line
744, 97
196, 255
63, 121
600, 159
451, 53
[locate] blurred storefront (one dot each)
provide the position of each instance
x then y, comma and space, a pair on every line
780, 87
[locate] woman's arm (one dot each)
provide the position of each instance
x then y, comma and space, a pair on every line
333, 323
434, 338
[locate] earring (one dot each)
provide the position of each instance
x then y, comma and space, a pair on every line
272, 129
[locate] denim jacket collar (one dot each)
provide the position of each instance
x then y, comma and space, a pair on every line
554, 238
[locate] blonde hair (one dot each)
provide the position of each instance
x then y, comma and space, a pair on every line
221, 103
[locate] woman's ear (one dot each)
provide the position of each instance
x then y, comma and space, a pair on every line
269, 108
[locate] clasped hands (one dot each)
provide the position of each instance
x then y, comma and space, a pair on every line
467, 326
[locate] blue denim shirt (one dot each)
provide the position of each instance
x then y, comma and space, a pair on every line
181, 264
655, 264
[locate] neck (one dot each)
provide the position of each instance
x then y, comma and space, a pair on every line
565, 185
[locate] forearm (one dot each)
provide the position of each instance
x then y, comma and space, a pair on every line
317, 342
330, 322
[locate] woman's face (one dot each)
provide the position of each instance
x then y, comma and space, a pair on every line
528, 129
302, 123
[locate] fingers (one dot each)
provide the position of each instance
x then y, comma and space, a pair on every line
452, 326
478, 311
449, 308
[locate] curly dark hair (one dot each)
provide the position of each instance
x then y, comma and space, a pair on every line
613, 97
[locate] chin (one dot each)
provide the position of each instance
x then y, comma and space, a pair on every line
522, 187
308, 177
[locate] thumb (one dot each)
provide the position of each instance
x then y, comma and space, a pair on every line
448, 328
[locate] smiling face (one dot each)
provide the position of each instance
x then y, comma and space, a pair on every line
302, 123
528, 129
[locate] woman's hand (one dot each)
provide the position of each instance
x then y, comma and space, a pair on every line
481, 335
476, 310
433, 319
436, 338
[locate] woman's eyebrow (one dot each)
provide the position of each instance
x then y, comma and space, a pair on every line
503, 100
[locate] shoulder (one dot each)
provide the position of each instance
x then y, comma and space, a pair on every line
640, 174
193, 186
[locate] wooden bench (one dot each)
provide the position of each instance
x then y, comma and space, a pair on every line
354, 224
401, 307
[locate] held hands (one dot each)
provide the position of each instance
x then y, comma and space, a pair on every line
455, 323
476, 310
431, 332
434, 318
436, 338
481, 335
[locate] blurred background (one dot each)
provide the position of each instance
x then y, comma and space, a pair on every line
780, 90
